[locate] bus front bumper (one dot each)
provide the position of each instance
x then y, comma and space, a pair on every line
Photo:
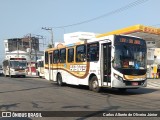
128, 84
18, 73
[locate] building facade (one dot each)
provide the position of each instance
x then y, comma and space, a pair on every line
24, 48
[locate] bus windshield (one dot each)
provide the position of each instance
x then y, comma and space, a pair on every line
130, 59
18, 64
40, 64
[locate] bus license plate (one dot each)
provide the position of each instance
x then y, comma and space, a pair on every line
134, 83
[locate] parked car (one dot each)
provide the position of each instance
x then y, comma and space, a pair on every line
1, 71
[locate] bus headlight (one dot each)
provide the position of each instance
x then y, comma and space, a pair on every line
118, 77
12, 70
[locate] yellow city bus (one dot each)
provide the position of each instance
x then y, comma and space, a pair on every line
114, 61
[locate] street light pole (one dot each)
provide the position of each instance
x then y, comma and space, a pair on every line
51, 31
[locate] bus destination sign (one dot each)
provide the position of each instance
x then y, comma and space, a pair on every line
130, 40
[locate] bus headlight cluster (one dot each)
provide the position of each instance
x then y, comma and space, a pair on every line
118, 77
12, 70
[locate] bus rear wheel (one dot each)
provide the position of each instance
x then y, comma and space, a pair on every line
59, 80
94, 85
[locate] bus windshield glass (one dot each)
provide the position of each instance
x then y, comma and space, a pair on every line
40, 64
130, 55
18, 64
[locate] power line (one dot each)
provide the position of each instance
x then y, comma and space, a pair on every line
49, 29
131, 5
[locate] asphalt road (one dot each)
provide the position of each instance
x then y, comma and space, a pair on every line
36, 94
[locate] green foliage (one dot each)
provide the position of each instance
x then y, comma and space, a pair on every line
49, 46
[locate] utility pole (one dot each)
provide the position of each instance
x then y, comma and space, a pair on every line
51, 31
18, 47
30, 53
40, 37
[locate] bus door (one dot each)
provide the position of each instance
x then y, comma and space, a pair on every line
106, 64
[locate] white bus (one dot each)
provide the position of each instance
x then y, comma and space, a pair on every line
15, 67
114, 61
40, 68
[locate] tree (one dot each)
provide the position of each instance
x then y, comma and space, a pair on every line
49, 46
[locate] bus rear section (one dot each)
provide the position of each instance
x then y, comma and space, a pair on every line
15, 67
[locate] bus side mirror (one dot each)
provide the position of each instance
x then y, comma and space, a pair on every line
36, 66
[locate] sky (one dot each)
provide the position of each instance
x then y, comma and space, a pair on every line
21, 17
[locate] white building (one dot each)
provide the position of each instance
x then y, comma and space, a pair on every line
20, 48
75, 37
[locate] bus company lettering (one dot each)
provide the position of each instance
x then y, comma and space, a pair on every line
78, 68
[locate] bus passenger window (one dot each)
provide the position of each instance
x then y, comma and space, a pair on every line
46, 57
71, 55
50, 54
62, 56
81, 53
93, 52
56, 56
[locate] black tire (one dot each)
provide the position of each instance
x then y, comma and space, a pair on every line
59, 80
90, 85
94, 85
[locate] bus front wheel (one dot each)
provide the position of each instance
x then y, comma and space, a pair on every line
94, 85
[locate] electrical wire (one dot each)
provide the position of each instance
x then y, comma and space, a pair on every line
131, 5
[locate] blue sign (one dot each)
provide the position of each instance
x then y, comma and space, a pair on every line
136, 66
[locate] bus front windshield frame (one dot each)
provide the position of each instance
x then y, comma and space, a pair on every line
18, 64
130, 59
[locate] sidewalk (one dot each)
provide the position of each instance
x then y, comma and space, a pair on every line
153, 83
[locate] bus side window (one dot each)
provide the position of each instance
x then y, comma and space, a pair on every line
56, 56
50, 54
81, 53
46, 57
70, 55
93, 52
62, 55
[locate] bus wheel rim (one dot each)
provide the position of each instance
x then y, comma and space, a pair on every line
95, 84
